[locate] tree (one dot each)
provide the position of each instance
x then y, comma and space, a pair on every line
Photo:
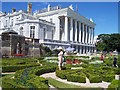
108, 42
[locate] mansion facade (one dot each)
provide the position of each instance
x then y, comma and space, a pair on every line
53, 27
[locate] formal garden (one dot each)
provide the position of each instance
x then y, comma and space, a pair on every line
25, 73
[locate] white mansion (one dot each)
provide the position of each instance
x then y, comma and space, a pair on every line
53, 27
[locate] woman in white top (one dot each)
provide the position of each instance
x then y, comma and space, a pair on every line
60, 57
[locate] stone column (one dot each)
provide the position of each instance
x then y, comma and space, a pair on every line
71, 29
93, 36
86, 34
80, 51
76, 47
75, 31
89, 35
83, 33
79, 32
83, 49
66, 29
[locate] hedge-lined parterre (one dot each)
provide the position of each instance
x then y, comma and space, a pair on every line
28, 78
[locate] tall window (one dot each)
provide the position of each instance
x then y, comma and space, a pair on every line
12, 22
32, 31
52, 34
6, 22
21, 31
44, 33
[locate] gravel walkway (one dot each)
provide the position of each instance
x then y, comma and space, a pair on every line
87, 84
8, 73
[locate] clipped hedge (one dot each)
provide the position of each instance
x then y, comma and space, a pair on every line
13, 68
39, 83
8, 82
27, 78
95, 78
76, 78
115, 85
61, 74
108, 78
74, 75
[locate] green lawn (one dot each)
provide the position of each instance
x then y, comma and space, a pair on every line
63, 86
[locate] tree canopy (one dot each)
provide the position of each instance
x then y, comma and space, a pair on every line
108, 42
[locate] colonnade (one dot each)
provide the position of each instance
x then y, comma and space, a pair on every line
78, 32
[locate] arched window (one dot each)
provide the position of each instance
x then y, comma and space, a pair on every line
21, 31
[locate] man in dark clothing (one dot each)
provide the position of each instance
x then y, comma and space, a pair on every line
115, 62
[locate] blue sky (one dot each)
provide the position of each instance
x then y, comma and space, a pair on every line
104, 14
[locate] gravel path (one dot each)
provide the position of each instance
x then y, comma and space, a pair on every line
9, 73
87, 84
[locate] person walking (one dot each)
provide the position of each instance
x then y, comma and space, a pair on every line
60, 58
102, 57
115, 62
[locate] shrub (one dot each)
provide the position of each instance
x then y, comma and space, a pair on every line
95, 58
8, 82
40, 58
118, 61
115, 85
39, 83
61, 74
26, 78
76, 78
117, 71
72, 77
108, 62
84, 65
13, 68
68, 66
108, 78
95, 78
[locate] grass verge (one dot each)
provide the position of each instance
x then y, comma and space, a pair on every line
63, 86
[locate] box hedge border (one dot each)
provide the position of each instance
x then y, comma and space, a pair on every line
28, 78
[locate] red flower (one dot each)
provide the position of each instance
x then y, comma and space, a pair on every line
19, 54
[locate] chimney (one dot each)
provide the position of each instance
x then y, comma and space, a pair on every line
29, 8
13, 10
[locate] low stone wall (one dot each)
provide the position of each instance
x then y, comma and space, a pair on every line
31, 52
